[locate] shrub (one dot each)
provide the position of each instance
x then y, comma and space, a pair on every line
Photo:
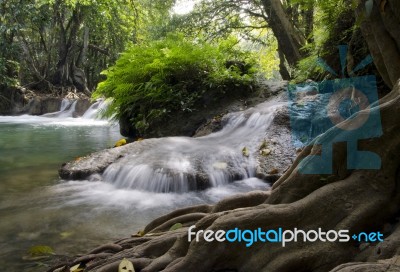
150, 81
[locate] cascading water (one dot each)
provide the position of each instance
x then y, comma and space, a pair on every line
182, 164
69, 111
68, 108
95, 110
73, 216
65, 104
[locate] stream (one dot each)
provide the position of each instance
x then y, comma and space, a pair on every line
37, 208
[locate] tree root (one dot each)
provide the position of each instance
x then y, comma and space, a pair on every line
359, 200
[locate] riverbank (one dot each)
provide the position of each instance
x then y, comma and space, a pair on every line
352, 200
19, 100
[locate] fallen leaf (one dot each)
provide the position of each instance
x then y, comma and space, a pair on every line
245, 152
120, 143
273, 171
40, 251
176, 226
126, 266
76, 268
65, 234
265, 152
263, 145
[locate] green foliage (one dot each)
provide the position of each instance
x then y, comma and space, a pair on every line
154, 79
330, 29
32, 34
8, 72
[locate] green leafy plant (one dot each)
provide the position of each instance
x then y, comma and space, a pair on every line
154, 79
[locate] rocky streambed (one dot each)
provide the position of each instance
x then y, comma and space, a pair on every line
255, 142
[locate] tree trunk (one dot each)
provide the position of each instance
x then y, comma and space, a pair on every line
67, 73
382, 32
282, 66
362, 200
289, 40
354, 200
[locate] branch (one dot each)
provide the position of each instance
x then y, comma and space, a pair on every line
101, 50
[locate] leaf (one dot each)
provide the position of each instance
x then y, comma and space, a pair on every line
265, 152
245, 152
65, 234
126, 266
176, 226
120, 143
273, 171
40, 251
76, 268
263, 145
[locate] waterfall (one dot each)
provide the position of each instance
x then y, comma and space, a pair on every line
68, 112
182, 164
96, 109
65, 104
68, 108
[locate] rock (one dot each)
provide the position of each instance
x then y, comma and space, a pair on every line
201, 169
42, 105
12, 101
15, 101
82, 106
203, 120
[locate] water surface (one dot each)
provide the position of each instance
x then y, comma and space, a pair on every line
37, 208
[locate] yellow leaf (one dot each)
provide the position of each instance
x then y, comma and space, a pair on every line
120, 143
76, 268
126, 266
245, 152
265, 152
65, 234
40, 251
263, 145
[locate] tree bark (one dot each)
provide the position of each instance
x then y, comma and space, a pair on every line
67, 72
361, 200
289, 40
381, 31
355, 200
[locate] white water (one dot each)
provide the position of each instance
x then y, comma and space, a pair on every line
63, 117
176, 164
95, 110
65, 104
73, 216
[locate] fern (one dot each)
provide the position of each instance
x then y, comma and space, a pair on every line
154, 79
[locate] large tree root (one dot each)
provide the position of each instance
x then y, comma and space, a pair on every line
360, 200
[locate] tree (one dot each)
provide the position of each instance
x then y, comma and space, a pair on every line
357, 200
64, 45
290, 24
